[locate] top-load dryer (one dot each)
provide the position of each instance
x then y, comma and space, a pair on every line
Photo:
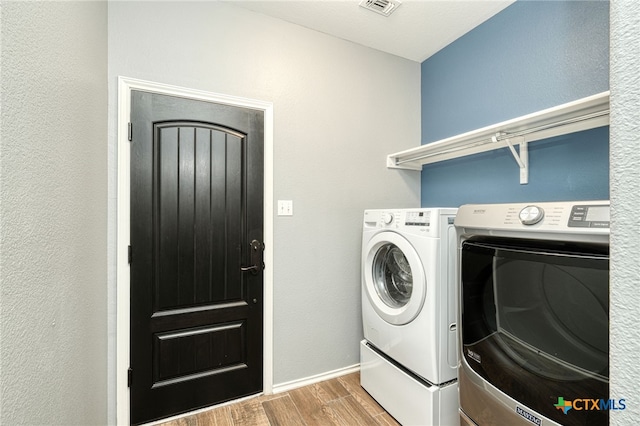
409, 310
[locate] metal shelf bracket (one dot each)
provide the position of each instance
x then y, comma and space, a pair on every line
521, 156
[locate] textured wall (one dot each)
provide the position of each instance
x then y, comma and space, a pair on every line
339, 109
531, 56
625, 200
53, 213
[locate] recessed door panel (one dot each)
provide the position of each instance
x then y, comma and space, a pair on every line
196, 352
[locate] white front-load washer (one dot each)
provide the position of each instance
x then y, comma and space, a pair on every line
408, 356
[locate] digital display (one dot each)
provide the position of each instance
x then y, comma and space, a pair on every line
597, 214
416, 219
589, 217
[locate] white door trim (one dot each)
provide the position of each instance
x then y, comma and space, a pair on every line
125, 86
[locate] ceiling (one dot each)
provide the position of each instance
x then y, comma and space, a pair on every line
415, 30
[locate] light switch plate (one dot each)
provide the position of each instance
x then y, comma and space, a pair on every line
285, 207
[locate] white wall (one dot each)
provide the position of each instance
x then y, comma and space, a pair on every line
625, 200
53, 213
339, 109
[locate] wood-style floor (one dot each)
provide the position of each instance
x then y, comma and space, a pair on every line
340, 401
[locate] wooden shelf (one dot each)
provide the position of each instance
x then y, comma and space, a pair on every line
583, 114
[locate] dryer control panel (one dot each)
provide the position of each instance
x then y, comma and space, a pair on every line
585, 216
569, 217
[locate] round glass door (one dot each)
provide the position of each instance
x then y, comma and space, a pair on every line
394, 278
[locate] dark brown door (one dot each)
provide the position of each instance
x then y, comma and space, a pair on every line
196, 254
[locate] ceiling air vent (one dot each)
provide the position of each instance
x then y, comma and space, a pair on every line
383, 7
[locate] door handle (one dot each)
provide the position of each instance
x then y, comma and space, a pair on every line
255, 248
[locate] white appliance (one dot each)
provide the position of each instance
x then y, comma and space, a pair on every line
534, 291
408, 357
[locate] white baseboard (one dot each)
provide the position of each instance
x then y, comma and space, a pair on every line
298, 383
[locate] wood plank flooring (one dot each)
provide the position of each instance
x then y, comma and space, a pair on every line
340, 402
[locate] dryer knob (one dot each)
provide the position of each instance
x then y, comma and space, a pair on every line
531, 215
387, 218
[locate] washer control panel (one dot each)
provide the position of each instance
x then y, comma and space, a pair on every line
416, 218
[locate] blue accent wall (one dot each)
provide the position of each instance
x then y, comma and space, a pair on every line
531, 56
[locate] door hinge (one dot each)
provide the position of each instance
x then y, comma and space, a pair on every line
129, 254
130, 132
129, 376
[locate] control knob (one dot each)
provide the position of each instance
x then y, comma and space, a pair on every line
531, 215
387, 218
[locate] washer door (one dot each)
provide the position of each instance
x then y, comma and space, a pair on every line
394, 278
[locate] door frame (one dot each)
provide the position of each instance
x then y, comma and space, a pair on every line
125, 86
